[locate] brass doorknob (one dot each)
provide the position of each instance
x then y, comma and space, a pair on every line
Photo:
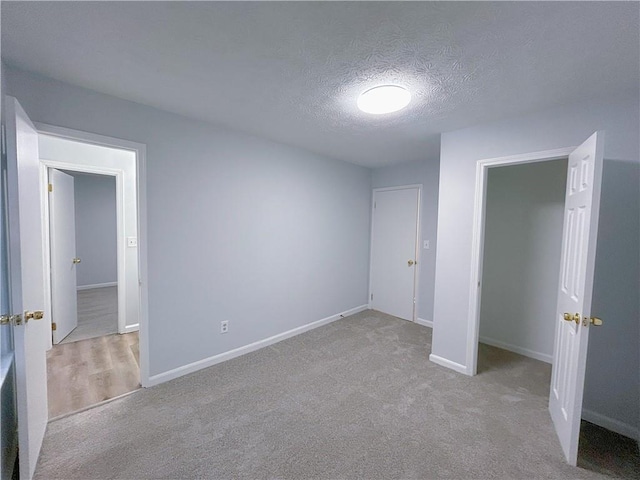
35, 315
572, 318
10, 319
410, 262
595, 321
77, 260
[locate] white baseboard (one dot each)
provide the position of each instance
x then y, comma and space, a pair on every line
222, 357
424, 323
449, 364
611, 424
97, 285
131, 328
543, 357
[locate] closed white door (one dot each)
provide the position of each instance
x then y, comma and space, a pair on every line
62, 227
573, 313
27, 283
393, 251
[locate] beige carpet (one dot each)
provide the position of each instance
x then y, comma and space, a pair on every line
97, 314
354, 399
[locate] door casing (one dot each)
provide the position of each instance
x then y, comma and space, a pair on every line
47, 166
477, 243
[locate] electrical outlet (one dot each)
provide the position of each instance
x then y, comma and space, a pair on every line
224, 326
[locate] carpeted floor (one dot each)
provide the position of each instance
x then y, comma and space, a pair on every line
97, 314
355, 399
604, 451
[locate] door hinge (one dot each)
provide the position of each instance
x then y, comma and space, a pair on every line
11, 320
50, 188
375, 204
4, 140
54, 326
372, 296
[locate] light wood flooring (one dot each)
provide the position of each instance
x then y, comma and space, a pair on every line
97, 314
86, 372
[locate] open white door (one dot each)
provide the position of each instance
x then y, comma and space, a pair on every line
393, 251
62, 228
27, 283
575, 288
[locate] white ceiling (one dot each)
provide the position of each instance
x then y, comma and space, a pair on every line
292, 71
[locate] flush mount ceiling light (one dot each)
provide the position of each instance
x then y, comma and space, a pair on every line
384, 99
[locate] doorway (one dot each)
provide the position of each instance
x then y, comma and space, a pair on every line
521, 267
395, 229
27, 247
527, 210
85, 251
93, 290
521, 258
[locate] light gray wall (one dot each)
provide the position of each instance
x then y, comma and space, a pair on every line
522, 246
611, 386
426, 173
95, 208
612, 383
266, 236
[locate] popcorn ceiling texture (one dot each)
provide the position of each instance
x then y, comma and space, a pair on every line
292, 71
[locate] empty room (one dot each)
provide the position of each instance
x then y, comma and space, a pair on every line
320, 240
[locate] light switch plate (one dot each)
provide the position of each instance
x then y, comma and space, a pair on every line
132, 241
425, 244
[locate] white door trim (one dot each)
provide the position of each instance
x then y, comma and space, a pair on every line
140, 150
477, 242
416, 278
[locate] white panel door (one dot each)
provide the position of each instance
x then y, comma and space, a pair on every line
573, 313
393, 251
27, 283
62, 227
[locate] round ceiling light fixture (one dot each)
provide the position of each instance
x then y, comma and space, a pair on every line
384, 99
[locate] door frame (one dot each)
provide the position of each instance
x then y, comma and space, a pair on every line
477, 242
416, 272
141, 203
46, 166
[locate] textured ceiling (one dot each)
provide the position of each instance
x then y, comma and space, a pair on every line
292, 71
